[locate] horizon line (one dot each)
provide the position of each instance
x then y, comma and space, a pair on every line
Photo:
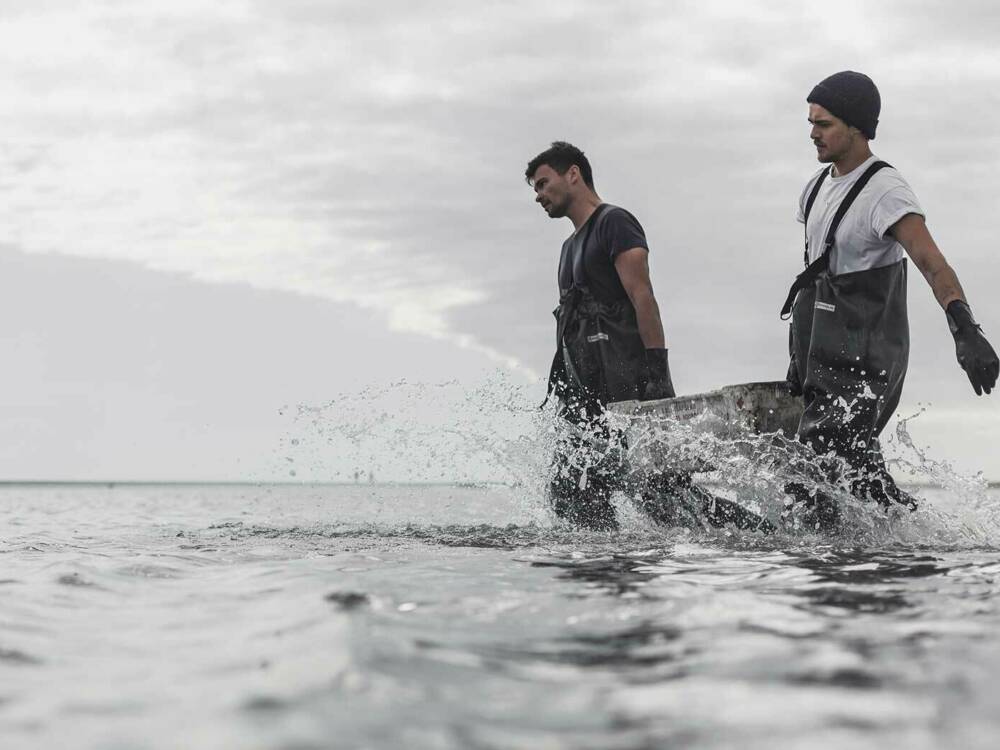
990, 483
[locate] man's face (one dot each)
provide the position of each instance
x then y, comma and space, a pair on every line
552, 190
832, 136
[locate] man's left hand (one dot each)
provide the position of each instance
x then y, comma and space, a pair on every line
658, 383
977, 358
973, 351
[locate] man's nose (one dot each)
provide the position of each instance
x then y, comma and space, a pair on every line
538, 197
814, 133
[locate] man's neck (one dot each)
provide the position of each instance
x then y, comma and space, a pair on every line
851, 161
582, 209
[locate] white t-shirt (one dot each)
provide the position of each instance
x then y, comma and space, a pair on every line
861, 241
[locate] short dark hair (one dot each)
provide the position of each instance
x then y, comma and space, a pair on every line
561, 156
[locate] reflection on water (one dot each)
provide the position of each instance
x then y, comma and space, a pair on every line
617, 575
861, 581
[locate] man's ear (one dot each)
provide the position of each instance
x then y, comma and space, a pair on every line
573, 174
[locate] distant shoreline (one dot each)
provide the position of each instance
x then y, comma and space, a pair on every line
111, 483
227, 483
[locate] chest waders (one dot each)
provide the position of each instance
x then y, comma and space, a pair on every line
600, 357
850, 342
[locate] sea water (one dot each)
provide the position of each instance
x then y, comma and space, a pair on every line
450, 617
437, 615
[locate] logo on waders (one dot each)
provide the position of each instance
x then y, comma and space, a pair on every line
598, 337
825, 306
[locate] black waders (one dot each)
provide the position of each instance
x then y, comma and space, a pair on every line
601, 359
850, 346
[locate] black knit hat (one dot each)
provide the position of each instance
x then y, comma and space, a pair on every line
852, 97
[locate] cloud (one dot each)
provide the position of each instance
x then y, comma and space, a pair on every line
372, 154
116, 372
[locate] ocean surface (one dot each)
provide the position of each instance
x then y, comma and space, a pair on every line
444, 616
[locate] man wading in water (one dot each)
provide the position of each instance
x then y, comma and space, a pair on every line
610, 346
849, 338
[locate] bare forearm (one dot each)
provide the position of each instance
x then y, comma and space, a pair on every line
633, 270
647, 315
944, 283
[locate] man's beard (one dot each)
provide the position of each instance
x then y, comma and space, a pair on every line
558, 210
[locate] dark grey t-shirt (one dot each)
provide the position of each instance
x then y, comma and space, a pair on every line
588, 256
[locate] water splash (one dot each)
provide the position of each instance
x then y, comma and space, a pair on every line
971, 512
494, 432
754, 470
411, 432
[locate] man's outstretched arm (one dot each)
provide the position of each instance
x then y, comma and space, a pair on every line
911, 232
974, 353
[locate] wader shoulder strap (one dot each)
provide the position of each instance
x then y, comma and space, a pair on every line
805, 214
580, 250
818, 266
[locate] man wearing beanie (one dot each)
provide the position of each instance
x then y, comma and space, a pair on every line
849, 338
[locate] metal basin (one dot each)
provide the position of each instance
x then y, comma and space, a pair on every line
727, 413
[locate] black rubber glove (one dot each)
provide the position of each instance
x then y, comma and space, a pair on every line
974, 353
658, 384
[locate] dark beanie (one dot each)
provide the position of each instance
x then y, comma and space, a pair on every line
852, 97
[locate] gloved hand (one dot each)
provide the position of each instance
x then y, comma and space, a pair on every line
974, 353
658, 384
794, 382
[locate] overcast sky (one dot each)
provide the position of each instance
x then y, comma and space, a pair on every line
211, 211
